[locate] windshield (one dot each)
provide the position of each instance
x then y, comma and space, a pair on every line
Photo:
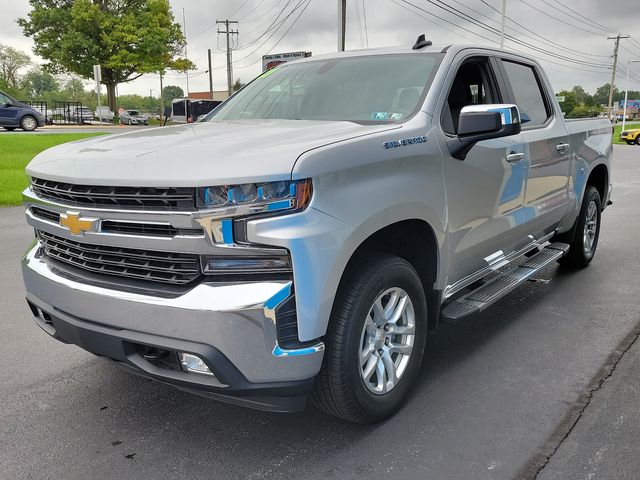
380, 88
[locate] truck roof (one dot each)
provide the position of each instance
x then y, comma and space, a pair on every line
407, 49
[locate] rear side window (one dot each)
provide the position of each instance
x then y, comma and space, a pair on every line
528, 93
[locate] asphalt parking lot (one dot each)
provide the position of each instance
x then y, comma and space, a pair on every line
500, 395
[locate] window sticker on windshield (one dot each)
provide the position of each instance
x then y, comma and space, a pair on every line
379, 115
396, 116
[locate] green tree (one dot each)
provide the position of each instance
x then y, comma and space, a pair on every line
581, 96
126, 37
237, 85
170, 93
74, 89
601, 97
569, 101
582, 111
12, 61
38, 82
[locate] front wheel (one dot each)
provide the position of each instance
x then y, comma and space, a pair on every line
28, 123
375, 340
637, 142
585, 242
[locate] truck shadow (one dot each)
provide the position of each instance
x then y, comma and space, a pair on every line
149, 419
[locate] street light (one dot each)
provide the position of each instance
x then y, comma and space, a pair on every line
626, 93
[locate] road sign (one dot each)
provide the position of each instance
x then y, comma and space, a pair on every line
560, 98
270, 61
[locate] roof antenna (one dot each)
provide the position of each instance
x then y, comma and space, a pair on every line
422, 42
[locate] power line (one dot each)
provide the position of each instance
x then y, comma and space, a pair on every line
537, 35
458, 13
457, 32
300, 3
281, 38
273, 23
563, 21
356, 5
252, 10
239, 8
593, 22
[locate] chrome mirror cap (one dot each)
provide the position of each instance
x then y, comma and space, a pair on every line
509, 113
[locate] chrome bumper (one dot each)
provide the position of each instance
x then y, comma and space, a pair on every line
235, 319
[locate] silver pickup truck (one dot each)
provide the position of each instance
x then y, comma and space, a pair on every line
308, 236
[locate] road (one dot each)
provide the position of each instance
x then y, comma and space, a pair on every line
497, 395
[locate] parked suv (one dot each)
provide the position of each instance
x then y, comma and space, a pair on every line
310, 234
15, 114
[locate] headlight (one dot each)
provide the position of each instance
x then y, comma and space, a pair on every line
252, 198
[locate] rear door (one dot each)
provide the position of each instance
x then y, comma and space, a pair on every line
547, 148
485, 191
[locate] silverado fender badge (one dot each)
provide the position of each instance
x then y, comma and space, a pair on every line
404, 142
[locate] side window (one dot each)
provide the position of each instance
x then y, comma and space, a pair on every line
528, 93
472, 85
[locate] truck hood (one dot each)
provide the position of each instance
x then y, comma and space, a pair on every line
198, 154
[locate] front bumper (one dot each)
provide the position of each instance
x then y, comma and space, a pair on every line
231, 327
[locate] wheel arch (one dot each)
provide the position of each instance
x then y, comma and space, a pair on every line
415, 241
599, 178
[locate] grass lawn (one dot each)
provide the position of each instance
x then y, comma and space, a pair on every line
618, 130
16, 150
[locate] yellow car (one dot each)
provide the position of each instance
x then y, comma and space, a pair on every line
632, 137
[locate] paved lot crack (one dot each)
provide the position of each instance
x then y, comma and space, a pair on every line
539, 461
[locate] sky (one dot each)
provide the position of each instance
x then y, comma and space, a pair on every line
549, 25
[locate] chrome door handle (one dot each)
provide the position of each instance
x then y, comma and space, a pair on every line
514, 157
562, 147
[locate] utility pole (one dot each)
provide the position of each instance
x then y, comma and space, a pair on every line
186, 57
613, 73
504, 15
161, 99
342, 24
210, 74
227, 31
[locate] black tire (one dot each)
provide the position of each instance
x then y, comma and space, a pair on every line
340, 389
28, 123
11, 129
637, 142
579, 256
631, 142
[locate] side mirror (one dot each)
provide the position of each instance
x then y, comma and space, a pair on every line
483, 122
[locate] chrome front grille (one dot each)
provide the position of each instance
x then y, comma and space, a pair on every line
136, 198
124, 227
164, 267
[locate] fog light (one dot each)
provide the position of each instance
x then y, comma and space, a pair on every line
193, 363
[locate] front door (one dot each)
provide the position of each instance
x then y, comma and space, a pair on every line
8, 113
485, 191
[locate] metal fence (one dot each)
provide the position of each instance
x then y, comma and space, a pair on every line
70, 113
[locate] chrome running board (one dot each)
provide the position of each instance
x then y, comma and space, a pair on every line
499, 286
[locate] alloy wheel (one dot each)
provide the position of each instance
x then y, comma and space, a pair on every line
387, 340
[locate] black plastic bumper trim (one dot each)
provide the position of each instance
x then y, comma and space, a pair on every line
228, 385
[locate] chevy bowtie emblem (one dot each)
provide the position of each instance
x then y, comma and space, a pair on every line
77, 225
